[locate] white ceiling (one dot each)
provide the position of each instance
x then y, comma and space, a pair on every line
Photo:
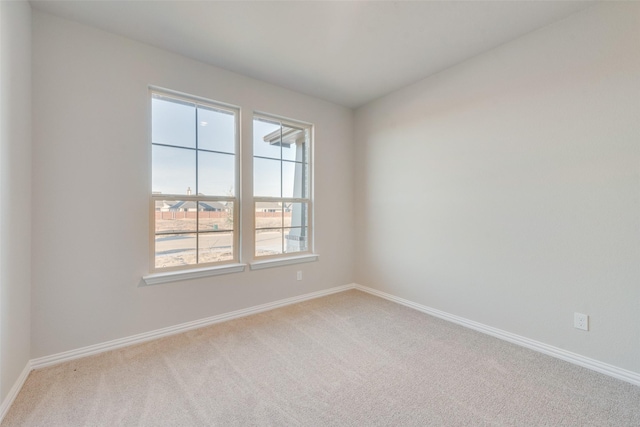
348, 52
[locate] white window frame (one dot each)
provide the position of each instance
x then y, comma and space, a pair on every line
286, 258
167, 274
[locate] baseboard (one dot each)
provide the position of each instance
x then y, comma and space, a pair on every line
13, 393
576, 359
66, 356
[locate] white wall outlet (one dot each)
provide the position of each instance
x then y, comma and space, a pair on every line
299, 275
581, 321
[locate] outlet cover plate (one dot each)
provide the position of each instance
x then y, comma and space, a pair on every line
581, 321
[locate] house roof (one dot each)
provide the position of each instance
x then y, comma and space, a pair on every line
204, 206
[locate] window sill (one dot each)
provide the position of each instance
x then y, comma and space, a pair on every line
279, 262
174, 276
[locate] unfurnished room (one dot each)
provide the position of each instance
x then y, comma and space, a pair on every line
319, 213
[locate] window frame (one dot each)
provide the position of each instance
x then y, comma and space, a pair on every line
284, 258
165, 273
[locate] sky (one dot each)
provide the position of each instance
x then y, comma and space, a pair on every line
177, 123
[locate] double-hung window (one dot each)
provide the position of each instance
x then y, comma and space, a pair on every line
194, 201
281, 187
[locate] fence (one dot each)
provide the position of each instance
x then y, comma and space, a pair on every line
212, 214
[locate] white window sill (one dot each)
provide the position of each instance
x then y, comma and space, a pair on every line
174, 276
279, 262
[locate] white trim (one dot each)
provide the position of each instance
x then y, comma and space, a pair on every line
66, 356
276, 119
173, 276
259, 265
595, 365
193, 98
13, 393
568, 356
235, 198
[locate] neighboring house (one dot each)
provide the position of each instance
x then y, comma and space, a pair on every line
163, 205
272, 207
190, 206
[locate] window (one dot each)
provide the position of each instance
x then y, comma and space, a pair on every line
194, 195
281, 187
195, 192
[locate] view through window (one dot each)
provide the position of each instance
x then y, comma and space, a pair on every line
194, 180
281, 185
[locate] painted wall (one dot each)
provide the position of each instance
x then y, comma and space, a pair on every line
506, 189
15, 191
91, 158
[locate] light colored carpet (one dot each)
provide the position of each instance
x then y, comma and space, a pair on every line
349, 359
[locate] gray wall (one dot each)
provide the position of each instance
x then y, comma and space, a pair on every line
91, 181
506, 189
15, 191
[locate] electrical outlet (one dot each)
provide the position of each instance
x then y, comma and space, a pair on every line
581, 321
299, 275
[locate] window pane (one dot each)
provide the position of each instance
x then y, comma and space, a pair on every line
174, 170
193, 154
268, 215
215, 247
216, 130
173, 122
266, 177
214, 216
295, 215
175, 249
295, 239
294, 180
175, 217
268, 242
216, 174
266, 137
294, 146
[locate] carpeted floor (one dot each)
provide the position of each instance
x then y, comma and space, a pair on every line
349, 359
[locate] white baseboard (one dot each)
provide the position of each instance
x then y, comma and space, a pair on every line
66, 356
13, 393
576, 359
